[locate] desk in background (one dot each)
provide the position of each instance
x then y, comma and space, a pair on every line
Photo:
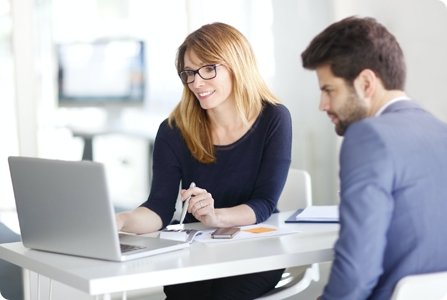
125, 146
136, 125
312, 244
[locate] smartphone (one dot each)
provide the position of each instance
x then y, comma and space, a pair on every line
225, 233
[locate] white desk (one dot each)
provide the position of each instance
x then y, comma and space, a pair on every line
314, 243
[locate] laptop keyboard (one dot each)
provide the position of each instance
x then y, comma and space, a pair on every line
126, 248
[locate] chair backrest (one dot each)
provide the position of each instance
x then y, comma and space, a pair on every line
297, 192
431, 286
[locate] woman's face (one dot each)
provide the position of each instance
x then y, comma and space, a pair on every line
211, 93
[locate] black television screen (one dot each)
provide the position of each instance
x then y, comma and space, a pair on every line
105, 72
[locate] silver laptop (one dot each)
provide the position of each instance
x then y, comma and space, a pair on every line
64, 207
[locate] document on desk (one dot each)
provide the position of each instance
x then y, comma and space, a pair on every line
247, 232
315, 214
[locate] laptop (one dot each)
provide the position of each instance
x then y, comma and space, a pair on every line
64, 207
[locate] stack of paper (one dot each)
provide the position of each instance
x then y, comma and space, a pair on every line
183, 235
323, 213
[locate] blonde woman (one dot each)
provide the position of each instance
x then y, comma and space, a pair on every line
231, 137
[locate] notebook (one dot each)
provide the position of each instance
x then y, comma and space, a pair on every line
315, 214
64, 207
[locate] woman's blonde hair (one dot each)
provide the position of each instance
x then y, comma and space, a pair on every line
218, 43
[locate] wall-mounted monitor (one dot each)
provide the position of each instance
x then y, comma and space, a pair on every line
109, 72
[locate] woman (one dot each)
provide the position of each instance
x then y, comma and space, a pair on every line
231, 137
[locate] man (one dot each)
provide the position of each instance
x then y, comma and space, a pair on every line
393, 162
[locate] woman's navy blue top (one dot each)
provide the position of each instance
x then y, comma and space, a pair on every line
250, 171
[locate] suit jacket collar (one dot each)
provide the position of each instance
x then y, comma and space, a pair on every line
402, 105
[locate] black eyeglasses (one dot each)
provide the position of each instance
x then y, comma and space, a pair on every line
207, 72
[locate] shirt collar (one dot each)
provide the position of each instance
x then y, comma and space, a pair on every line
380, 111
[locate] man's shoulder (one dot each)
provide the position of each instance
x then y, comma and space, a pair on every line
387, 123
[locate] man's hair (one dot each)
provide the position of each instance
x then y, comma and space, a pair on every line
354, 44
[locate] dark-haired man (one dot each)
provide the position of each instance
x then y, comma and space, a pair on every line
393, 162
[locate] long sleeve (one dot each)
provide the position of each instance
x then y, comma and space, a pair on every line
393, 203
365, 212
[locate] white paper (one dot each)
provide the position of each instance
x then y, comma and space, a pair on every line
248, 232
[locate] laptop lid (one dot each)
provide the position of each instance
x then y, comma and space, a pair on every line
64, 207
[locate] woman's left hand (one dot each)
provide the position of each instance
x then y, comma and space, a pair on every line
201, 206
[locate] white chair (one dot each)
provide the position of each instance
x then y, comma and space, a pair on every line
297, 193
431, 286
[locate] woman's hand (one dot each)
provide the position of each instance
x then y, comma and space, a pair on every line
121, 219
201, 206
140, 220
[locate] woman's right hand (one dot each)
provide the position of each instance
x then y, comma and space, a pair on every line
120, 220
140, 220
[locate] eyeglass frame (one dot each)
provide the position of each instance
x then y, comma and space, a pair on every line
197, 71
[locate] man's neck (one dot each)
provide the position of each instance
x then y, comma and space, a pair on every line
383, 98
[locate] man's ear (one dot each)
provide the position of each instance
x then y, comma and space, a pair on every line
366, 83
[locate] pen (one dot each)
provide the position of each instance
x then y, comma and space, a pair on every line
186, 204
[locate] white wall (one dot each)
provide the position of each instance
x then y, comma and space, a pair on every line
420, 26
279, 30
314, 147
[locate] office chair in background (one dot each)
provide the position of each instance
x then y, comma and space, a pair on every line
297, 193
11, 285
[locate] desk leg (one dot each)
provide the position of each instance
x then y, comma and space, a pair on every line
26, 284
50, 290
38, 286
107, 297
34, 286
87, 154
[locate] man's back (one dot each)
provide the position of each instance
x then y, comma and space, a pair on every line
394, 202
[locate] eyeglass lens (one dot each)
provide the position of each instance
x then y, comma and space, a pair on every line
205, 72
